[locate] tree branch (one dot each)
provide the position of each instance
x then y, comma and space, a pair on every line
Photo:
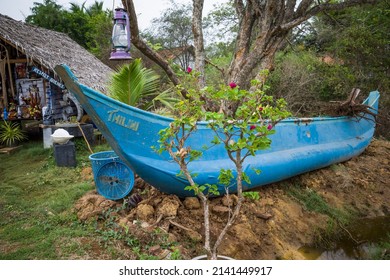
304, 12
239, 8
140, 44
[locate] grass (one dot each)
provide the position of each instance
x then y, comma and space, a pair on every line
36, 202
334, 230
37, 217
312, 201
336, 233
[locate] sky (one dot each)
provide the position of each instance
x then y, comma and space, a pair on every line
146, 9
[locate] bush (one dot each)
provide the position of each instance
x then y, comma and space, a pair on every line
303, 79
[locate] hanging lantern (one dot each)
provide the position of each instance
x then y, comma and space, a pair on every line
121, 35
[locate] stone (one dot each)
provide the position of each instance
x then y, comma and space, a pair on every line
191, 203
168, 207
145, 212
221, 209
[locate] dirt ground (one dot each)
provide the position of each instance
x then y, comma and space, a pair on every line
273, 227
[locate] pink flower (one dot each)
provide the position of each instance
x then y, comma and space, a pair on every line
189, 69
232, 85
269, 127
252, 127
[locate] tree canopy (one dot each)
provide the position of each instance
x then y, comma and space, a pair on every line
263, 29
89, 26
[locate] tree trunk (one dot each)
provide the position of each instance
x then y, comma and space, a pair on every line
272, 20
197, 30
261, 57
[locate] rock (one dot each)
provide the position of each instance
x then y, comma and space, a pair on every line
168, 207
92, 205
194, 236
191, 203
221, 209
145, 212
145, 225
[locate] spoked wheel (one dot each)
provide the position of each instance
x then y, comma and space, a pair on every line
114, 180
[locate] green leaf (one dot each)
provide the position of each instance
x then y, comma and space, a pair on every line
252, 195
246, 178
225, 176
241, 143
216, 140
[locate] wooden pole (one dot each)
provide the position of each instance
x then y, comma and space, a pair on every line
3, 82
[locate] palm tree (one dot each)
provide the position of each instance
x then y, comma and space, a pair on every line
76, 8
138, 86
95, 9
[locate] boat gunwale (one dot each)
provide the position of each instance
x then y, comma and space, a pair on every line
149, 114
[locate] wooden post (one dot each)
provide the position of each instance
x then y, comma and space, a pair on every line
3, 82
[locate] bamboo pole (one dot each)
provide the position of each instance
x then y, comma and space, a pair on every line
3, 82
11, 80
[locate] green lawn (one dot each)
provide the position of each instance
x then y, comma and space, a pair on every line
36, 202
37, 217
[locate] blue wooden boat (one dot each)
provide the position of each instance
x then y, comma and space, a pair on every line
299, 145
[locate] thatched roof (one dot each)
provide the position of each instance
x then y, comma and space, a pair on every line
50, 48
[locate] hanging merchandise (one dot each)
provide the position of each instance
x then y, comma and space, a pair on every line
5, 114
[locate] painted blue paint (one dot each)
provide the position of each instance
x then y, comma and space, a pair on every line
298, 146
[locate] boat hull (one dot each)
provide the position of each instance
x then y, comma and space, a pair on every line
298, 146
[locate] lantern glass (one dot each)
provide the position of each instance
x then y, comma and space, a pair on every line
119, 36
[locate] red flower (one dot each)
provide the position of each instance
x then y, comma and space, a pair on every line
232, 85
189, 69
252, 127
260, 109
269, 127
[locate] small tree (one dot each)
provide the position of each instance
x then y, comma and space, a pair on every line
242, 133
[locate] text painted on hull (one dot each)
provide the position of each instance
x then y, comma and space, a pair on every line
116, 118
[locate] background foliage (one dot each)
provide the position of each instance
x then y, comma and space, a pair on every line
322, 60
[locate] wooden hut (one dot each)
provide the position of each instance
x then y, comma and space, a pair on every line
29, 87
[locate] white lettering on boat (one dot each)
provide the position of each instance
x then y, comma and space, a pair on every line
116, 118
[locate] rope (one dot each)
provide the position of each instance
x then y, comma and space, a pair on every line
85, 138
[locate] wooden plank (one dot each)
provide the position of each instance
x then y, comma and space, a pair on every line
10, 150
18, 60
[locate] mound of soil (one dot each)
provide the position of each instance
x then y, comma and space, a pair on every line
273, 227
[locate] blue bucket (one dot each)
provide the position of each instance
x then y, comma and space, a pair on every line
100, 159
113, 179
